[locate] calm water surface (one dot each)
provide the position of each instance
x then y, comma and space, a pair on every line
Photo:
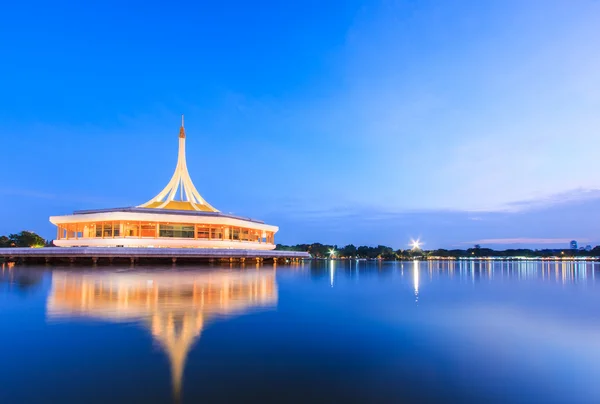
351, 332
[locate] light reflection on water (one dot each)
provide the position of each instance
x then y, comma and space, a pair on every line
173, 306
435, 331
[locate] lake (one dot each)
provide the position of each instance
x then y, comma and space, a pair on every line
315, 332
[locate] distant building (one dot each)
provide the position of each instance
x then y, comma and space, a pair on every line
588, 247
573, 245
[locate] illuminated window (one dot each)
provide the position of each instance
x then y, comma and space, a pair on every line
176, 230
148, 230
107, 229
216, 233
116, 229
131, 229
203, 232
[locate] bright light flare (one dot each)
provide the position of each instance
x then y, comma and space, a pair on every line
332, 252
415, 244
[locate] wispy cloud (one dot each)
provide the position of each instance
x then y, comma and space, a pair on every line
568, 197
28, 193
554, 221
525, 241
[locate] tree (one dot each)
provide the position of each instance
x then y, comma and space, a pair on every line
385, 252
5, 242
26, 239
348, 251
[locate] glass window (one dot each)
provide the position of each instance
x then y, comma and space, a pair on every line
89, 230
245, 234
176, 230
107, 229
71, 230
116, 229
216, 233
203, 232
148, 229
131, 229
235, 233
254, 236
98, 228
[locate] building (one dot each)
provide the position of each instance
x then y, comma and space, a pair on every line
573, 245
165, 221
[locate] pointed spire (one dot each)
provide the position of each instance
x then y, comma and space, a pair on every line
182, 130
190, 198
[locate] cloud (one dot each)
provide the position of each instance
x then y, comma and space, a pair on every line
27, 193
527, 241
507, 115
535, 224
80, 199
568, 197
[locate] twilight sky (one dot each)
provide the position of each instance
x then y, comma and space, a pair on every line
365, 122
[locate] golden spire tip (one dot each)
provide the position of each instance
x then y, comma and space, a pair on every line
181, 130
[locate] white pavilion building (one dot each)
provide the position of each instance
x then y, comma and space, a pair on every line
165, 221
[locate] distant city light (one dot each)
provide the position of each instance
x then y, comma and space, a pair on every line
332, 253
416, 244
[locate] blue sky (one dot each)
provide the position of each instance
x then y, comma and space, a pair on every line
369, 122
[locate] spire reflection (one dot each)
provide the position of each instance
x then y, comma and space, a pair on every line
174, 306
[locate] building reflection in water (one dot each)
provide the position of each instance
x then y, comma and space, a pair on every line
174, 306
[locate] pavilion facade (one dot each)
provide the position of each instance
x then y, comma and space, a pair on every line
165, 221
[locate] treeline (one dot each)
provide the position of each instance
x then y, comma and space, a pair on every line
318, 250
22, 239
